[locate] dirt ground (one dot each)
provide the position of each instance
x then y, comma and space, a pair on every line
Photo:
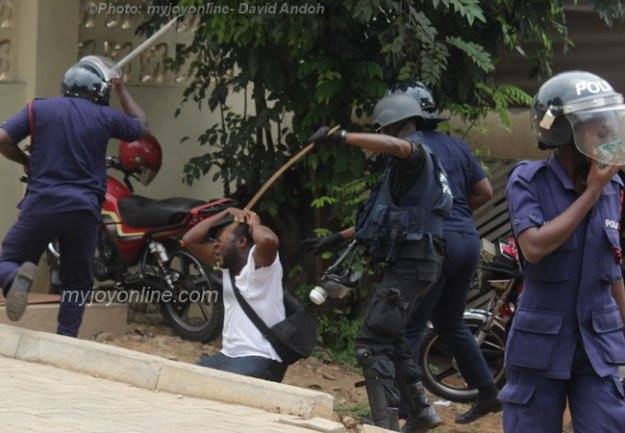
148, 333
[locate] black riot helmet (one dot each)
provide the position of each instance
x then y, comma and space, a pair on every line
422, 94
89, 79
582, 108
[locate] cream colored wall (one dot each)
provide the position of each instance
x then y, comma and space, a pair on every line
159, 104
516, 142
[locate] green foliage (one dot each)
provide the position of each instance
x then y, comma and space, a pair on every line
338, 334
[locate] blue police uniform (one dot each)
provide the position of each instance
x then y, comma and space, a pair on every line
67, 183
566, 338
445, 302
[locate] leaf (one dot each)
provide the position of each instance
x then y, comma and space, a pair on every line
475, 51
469, 9
326, 255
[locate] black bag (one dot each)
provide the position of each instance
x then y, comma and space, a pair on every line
294, 338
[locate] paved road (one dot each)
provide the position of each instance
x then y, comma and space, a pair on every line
40, 398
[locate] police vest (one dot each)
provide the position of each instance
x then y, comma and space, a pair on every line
385, 227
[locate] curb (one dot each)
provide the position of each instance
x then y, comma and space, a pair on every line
159, 374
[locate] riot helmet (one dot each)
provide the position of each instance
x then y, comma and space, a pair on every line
142, 158
89, 79
396, 108
582, 108
422, 94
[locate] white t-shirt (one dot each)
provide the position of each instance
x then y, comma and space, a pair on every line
262, 289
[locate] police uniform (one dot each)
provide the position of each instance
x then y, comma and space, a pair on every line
566, 338
445, 303
67, 183
401, 224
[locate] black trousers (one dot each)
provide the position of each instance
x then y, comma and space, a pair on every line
404, 285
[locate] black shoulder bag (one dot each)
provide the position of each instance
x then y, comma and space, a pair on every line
294, 338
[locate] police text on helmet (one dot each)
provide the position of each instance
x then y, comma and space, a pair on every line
592, 86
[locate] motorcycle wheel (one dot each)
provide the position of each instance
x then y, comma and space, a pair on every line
440, 371
198, 319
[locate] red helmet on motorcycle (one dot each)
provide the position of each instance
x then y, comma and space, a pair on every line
142, 157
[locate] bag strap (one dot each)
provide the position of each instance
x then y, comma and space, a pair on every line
31, 122
250, 313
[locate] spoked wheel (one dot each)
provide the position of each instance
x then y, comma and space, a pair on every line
440, 370
195, 310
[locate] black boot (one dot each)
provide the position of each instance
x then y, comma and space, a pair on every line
422, 417
479, 409
382, 415
378, 389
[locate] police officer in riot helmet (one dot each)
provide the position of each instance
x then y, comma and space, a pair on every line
401, 225
67, 182
566, 339
445, 303
89, 79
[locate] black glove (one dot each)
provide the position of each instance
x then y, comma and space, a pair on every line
314, 245
321, 137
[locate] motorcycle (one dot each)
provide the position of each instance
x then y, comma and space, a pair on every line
500, 272
138, 247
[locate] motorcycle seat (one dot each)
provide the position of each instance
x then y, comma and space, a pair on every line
139, 211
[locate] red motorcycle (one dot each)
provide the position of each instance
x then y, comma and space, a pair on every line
500, 275
138, 248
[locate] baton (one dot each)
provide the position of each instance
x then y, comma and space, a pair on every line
146, 44
282, 169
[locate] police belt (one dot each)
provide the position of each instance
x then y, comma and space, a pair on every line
430, 248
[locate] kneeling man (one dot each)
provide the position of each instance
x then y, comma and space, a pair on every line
237, 242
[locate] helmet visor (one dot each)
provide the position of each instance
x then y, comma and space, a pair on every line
146, 175
107, 67
600, 133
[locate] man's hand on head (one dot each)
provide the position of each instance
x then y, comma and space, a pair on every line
252, 219
237, 214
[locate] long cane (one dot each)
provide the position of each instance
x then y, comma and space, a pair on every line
145, 44
299, 155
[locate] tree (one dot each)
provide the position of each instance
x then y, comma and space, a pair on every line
295, 72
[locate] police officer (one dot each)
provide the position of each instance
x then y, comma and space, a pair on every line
400, 224
67, 182
445, 303
566, 338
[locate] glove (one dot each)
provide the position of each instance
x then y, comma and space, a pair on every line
321, 137
314, 245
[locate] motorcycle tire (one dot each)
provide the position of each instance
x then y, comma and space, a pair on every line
440, 372
213, 312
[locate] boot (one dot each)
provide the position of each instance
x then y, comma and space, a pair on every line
380, 391
480, 408
382, 415
17, 297
422, 417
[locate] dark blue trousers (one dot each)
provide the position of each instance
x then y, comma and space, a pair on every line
77, 233
444, 305
253, 366
535, 404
